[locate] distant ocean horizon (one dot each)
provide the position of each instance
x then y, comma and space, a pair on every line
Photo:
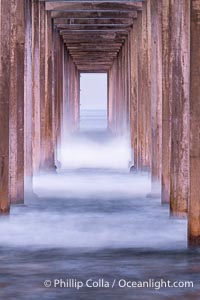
93, 119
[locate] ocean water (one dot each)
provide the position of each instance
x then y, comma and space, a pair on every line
91, 222
93, 120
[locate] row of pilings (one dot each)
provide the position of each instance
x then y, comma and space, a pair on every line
153, 91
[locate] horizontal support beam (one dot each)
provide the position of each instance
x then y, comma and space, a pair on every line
96, 5
95, 21
94, 14
101, 41
93, 27
88, 57
93, 49
94, 45
93, 70
78, 62
94, 36
63, 32
89, 53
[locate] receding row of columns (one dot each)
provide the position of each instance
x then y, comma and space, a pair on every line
164, 103
38, 79
170, 84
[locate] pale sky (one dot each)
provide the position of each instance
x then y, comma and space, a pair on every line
93, 94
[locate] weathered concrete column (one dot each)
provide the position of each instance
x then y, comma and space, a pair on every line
72, 120
77, 100
28, 168
180, 22
140, 142
42, 58
127, 86
65, 94
36, 138
49, 146
120, 107
57, 89
194, 203
119, 93
166, 99
5, 31
42, 78
114, 96
17, 101
134, 92
156, 95
110, 98
144, 88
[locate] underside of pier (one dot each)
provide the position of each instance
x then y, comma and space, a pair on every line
150, 51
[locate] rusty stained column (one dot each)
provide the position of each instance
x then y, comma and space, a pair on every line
58, 62
70, 104
144, 89
194, 203
73, 97
77, 100
140, 139
110, 98
48, 137
54, 67
42, 80
115, 94
5, 31
42, 58
179, 171
156, 95
146, 80
112, 101
134, 92
28, 170
128, 85
36, 139
17, 101
126, 79
166, 99
120, 94
123, 90
65, 94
